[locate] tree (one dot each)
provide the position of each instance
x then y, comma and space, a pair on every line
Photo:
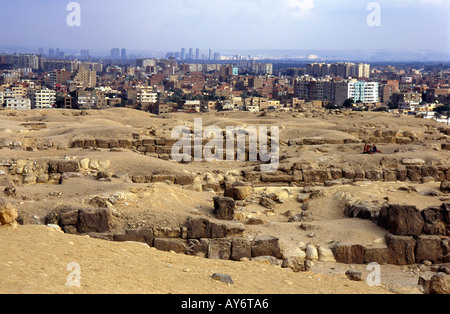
348, 103
442, 109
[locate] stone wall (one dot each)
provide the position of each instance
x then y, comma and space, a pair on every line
414, 236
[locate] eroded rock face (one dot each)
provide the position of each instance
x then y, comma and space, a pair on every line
402, 220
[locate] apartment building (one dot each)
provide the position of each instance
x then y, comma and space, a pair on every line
364, 92
85, 79
91, 100
43, 99
18, 103
310, 88
145, 96
342, 69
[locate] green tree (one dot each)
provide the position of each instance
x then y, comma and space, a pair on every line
348, 103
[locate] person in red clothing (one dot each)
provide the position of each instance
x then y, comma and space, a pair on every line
367, 149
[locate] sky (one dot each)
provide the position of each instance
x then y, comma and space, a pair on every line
227, 24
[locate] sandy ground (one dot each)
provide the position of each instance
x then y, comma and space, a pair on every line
34, 260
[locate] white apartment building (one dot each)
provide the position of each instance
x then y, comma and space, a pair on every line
18, 103
364, 92
44, 98
145, 95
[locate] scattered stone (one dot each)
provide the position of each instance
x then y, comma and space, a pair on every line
303, 197
267, 259
445, 187
267, 202
354, 275
440, 284
311, 253
224, 208
11, 192
296, 264
223, 278
412, 161
8, 214
100, 202
325, 254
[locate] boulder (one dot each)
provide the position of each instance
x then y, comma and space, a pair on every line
223, 278
94, 220
264, 245
378, 255
325, 254
167, 245
240, 248
224, 208
8, 214
439, 284
349, 254
445, 186
219, 249
412, 161
68, 166
184, 179
428, 248
218, 231
311, 253
139, 235
197, 247
238, 193
434, 220
403, 220
354, 275
296, 264
100, 202
362, 210
303, 197
315, 176
267, 202
401, 249
198, 228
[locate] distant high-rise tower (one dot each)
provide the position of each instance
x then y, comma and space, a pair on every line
115, 53
197, 54
191, 54
183, 53
51, 53
84, 54
124, 54
211, 54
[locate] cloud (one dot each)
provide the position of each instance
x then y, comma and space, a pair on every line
301, 8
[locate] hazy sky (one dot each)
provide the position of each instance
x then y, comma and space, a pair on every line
233, 24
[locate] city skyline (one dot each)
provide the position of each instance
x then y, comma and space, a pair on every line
229, 24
